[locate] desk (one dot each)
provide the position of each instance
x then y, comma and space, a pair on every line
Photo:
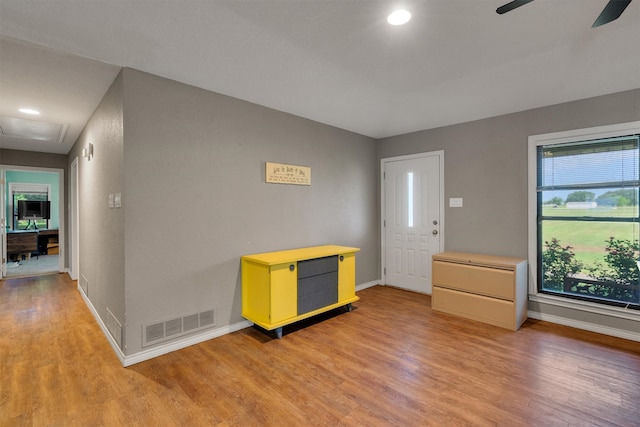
22, 241
30, 241
47, 242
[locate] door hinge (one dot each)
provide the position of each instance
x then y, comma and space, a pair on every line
385, 271
384, 222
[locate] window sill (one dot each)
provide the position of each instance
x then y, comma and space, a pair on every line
590, 307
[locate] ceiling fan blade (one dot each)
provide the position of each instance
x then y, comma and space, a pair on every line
611, 12
511, 5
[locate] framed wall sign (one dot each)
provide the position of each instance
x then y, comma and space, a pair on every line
278, 173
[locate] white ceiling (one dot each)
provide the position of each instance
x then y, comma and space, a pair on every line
337, 62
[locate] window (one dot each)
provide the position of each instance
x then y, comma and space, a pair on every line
34, 192
587, 216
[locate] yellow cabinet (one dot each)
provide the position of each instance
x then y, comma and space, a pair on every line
279, 288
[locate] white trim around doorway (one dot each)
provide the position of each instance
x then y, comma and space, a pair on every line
61, 207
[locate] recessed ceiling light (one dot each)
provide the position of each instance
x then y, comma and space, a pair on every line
30, 111
399, 17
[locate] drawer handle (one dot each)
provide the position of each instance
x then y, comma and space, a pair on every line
292, 267
341, 258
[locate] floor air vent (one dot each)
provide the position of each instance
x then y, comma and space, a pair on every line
153, 333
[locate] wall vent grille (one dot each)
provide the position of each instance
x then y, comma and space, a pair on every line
207, 318
114, 327
173, 327
84, 284
190, 322
153, 333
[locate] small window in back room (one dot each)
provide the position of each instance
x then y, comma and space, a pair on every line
30, 215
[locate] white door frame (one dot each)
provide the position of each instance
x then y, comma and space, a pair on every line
3, 222
74, 221
61, 208
383, 162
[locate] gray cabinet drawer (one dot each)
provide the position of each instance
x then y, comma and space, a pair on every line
314, 267
317, 291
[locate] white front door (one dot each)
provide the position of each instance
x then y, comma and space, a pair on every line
412, 219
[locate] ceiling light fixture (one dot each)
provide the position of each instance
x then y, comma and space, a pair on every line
399, 17
29, 111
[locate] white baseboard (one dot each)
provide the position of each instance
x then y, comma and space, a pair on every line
204, 336
614, 332
198, 338
105, 331
179, 344
183, 343
162, 349
367, 285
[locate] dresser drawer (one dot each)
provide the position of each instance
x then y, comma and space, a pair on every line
477, 307
314, 267
492, 282
317, 291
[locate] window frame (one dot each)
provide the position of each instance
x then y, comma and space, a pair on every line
22, 187
599, 132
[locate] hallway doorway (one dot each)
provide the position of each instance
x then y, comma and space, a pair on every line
33, 239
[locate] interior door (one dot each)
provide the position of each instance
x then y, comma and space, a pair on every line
74, 238
3, 226
412, 219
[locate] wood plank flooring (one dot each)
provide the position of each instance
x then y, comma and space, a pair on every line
391, 361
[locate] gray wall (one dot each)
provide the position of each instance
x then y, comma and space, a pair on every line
190, 166
101, 228
195, 198
486, 165
33, 159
